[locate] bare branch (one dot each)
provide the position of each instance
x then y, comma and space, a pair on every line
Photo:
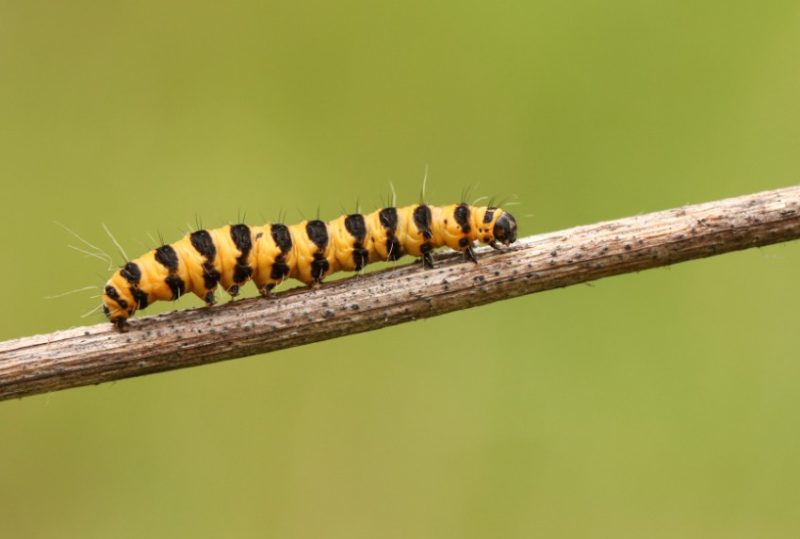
94, 354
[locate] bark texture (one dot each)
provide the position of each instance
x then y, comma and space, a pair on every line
95, 354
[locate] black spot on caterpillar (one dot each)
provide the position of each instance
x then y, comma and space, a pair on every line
309, 251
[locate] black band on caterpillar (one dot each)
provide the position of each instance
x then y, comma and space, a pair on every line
309, 251
241, 236
202, 243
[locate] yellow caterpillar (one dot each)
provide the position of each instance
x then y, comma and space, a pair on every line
309, 251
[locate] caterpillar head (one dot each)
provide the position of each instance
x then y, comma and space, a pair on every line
505, 228
497, 226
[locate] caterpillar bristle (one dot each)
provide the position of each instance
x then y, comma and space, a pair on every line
393, 202
422, 197
74, 291
95, 252
116, 243
94, 310
99, 256
466, 193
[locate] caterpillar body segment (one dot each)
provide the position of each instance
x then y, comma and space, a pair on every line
309, 251
274, 256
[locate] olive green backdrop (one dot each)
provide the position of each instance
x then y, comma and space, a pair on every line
660, 404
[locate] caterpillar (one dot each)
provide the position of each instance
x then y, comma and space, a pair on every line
309, 251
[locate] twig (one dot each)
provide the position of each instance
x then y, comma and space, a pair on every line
94, 354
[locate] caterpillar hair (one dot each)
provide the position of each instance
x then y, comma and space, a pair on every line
231, 255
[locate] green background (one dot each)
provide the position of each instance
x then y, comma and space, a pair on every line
659, 404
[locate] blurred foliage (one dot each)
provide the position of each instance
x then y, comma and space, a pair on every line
661, 404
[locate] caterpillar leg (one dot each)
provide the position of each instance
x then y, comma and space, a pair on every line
233, 291
266, 290
209, 298
319, 267
427, 256
394, 250
469, 254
